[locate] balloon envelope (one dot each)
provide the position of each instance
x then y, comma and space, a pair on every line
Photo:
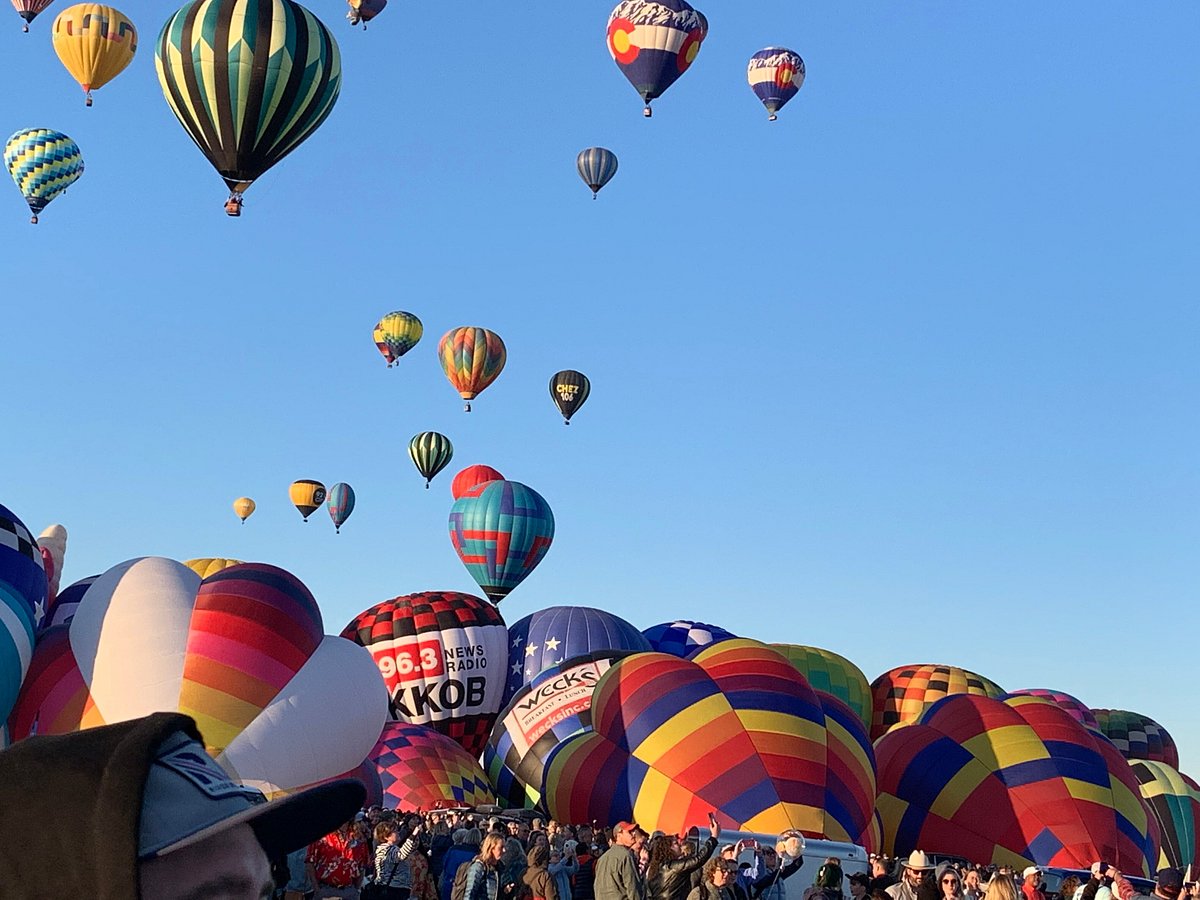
472, 359
903, 693
95, 43
210, 565
28, 9
683, 636
1016, 782
775, 76
243, 508
397, 333
422, 769
364, 10
43, 163
306, 495
1075, 707
832, 673
569, 390
443, 656
502, 531
430, 452
471, 476
23, 591
653, 42
341, 504
597, 167
1137, 736
546, 638
1175, 805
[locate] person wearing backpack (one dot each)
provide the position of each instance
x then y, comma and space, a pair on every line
479, 879
465, 849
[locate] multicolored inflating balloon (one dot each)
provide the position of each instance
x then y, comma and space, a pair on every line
903, 693
397, 333
1013, 782
683, 636
52, 545
243, 508
422, 769
502, 531
736, 730
544, 639
472, 476
443, 657
249, 82
832, 673
654, 42
1137, 736
1175, 805
597, 167
23, 590
210, 565
472, 359
28, 10
775, 76
569, 390
95, 43
242, 652
555, 706
430, 452
340, 504
1077, 709
306, 495
364, 11
43, 163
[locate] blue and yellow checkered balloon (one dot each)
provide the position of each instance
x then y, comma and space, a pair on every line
43, 163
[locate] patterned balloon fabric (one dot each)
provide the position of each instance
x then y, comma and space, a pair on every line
901, 695
683, 637
1137, 736
420, 768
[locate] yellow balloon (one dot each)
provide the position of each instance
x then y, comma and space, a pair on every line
307, 496
244, 508
208, 565
95, 42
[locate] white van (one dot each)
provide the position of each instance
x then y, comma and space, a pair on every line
851, 857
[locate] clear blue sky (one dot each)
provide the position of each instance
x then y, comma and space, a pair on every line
910, 374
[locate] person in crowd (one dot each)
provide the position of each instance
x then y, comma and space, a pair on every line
828, 883
715, 881
467, 845
881, 878
1031, 881
523, 832
583, 885
770, 884
951, 884
916, 867
1105, 884
424, 885
1067, 887
512, 870
1000, 887
669, 870
536, 877
1168, 884
617, 875
860, 885
440, 841
972, 885
394, 846
564, 867
338, 862
483, 874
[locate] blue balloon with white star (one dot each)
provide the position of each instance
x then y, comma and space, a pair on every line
23, 591
549, 636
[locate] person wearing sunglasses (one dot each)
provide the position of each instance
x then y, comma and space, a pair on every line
950, 884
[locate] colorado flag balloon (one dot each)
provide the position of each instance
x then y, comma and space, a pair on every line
654, 42
775, 75
502, 531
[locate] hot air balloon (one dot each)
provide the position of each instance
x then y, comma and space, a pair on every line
775, 75
341, 504
52, 543
1175, 805
23, 590
654, 42
1077, 709
1137, 736
596, 167
431, 452
62, 610
471, 476
249, 82
501, 530
28, 10
555, 706
569, 390
1015, 782
306, 495
422, 769
364, 11
683, 636
545, 638
902, 694
95, 43
243, 508
472, 358
242, 652
832, 673
210, 565
397, 333
772, 759
43, 163
443, 657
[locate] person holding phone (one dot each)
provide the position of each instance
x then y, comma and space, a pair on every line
669, 870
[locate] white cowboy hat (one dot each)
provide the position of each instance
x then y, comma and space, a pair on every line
918, 860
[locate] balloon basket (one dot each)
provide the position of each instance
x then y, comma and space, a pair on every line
33, 219
647, 112
87, 101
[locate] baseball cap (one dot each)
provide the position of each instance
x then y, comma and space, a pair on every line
188, 798
1099, 868
627, 827
1170, 878
1030, 870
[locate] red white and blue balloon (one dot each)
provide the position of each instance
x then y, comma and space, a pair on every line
683, 636
775, 76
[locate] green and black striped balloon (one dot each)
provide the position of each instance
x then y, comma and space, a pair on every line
431, 452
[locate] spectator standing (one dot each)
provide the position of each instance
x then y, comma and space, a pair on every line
338, 862
860, 886
392, 873
537, 878
716, 880
583, 887
483, 876
915, 869
1031, 880
881, 878
770, 884
669, 870
951, 885
617, 875
564, 867
467, 846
